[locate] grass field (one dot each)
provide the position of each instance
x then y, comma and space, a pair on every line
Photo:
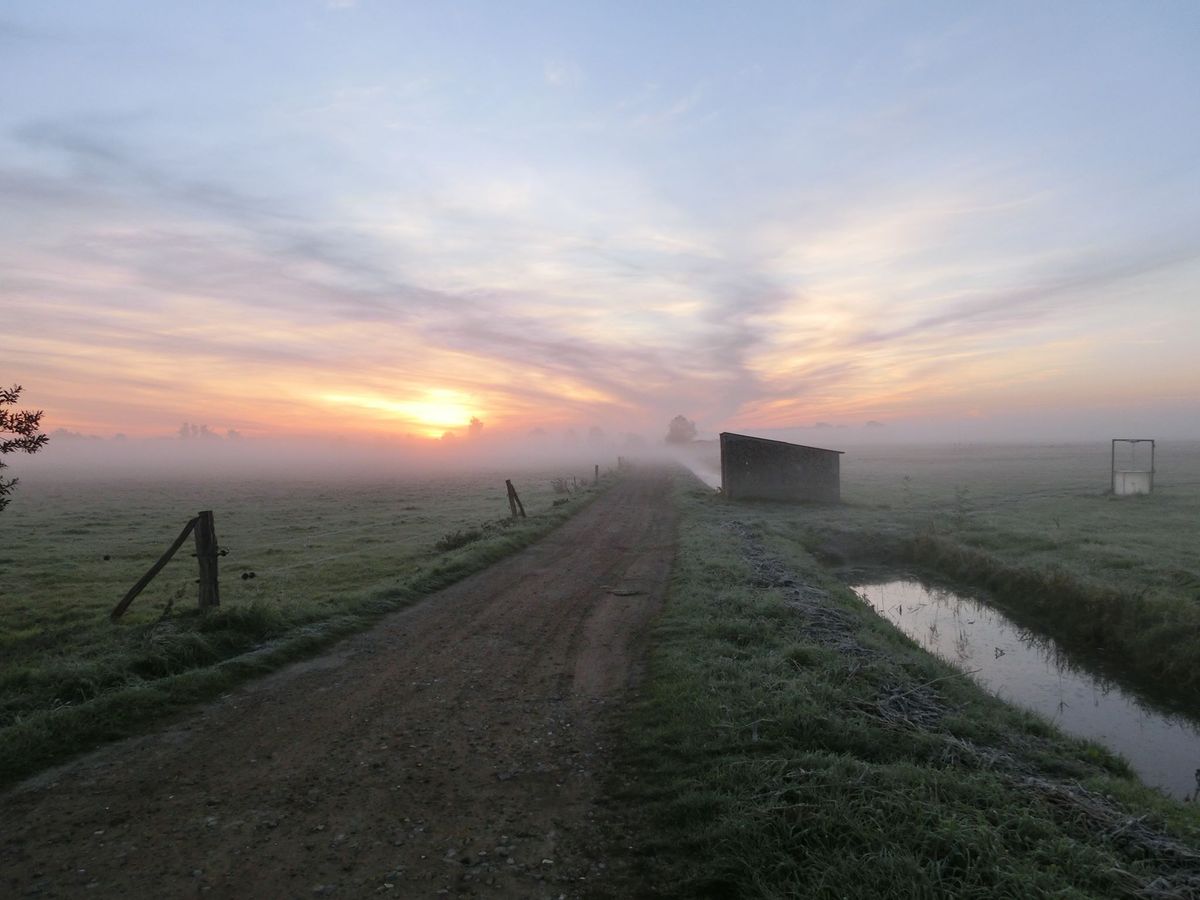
788, 741
791, 743
327, 558
1114, 578
1041, 506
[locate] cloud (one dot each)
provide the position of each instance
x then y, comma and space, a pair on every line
556, 293
14, 34
653, 111
204, 234
1070, 284
561, 73
262, 277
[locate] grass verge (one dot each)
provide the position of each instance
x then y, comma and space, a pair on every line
56, 710
789, 743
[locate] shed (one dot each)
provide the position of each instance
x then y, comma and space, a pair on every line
754, 468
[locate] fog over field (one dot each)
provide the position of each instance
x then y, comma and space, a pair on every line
874, 467
318, 457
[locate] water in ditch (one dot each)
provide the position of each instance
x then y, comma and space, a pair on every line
1031, 671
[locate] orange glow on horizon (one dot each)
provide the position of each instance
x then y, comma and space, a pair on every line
436, 412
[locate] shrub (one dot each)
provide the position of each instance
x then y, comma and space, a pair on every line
454, 539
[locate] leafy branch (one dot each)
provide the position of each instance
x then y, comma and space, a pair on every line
18, 434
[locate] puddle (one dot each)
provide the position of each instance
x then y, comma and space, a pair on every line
1032, 671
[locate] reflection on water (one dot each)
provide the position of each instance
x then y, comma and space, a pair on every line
1030, 670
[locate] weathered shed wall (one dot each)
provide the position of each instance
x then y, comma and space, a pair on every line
761, 469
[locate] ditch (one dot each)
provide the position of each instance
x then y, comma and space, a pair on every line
1033, 671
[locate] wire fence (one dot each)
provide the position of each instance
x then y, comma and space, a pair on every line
271, 551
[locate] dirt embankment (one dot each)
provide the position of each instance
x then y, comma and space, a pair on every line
452, 750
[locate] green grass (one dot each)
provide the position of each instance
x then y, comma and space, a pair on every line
1153, 640
1042, 507
790, 743
328, 560
1034, 525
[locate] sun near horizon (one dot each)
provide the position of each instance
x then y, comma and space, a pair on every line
430, 413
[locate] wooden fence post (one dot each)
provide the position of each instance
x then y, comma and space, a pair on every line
206, 556
596, 477
514, 502
120, 608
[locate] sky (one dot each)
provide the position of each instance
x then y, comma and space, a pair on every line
376, 220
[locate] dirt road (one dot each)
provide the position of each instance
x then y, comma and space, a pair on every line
452, 750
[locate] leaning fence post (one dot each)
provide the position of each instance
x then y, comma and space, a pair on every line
514, 502
120, 608
206, 556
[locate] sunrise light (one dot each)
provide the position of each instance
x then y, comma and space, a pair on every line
599, 239
430, 414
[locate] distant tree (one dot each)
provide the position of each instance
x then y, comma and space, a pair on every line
63, 434
596, 435
18, 433
681, 431
193, 430
475, 429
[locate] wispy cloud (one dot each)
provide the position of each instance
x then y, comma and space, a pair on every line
855, 228
561, 73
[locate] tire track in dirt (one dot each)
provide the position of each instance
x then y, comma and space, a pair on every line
454, 749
